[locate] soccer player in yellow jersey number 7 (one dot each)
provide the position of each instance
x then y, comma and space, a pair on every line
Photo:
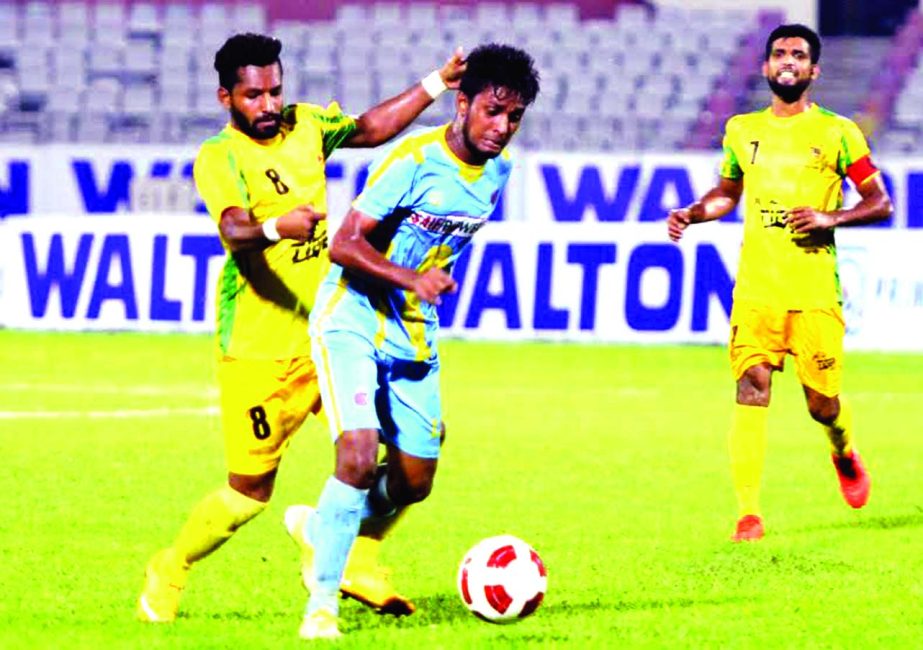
791, 158
262, 180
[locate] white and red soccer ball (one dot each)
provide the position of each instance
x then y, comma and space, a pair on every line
502, 579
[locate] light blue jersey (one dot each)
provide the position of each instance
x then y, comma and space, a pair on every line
429, 204
375, 346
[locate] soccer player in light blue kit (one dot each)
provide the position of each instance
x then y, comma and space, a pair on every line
374, 323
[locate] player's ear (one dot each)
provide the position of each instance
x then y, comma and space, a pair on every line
461, 105
224, 97
765, 68
815, 71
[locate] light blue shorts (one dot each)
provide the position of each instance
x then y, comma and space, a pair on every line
363, 388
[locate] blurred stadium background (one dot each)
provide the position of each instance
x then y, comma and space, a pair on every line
103, 105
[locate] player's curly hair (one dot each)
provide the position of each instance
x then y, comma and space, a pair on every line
795, 30
242, 50
500, 66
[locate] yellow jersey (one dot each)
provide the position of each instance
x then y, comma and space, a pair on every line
264, 296
785, 163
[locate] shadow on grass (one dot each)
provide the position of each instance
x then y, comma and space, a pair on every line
240, 614
912, 520
564, 608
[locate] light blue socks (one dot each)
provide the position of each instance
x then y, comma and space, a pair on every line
332, 532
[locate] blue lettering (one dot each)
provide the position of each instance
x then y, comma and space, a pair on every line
652, 207
97, 199
115, 249
497, 214
914, 200
711, 279
201, 248
546, 317
639, 316
590, 257
161, 168
361, 177
334, 171
889, 187
590, 193
14, 199
162, 308
449, 305
55, 274
507, 300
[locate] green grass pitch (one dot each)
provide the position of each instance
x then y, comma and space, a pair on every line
610, 460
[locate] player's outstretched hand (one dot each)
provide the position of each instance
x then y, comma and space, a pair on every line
453, 69
432, 283
805, 219
299, 223
677, 221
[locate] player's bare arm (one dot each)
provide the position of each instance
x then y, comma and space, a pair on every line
242, 232
382, 122
874, 206
716, 203
351, 249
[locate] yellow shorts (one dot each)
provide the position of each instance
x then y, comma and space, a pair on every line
813, 337
263, 403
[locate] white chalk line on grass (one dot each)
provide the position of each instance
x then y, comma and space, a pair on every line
154, 390
205, 411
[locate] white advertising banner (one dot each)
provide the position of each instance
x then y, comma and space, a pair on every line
109, 273
601, 282
546, 187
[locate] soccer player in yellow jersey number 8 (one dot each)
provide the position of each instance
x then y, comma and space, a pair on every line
262, 179
792, 158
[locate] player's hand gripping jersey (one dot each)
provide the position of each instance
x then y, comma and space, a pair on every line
787, 163
264, 296
429, 204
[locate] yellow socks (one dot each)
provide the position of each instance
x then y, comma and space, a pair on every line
212, 522
364, 553
839, 432
747, 445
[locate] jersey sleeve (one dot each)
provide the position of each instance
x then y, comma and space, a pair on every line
218, 180
855, 159
730, 166
335, 126
389, 186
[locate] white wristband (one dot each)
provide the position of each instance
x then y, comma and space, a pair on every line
433, 84
269, 229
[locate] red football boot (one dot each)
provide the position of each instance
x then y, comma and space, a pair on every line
749, 529
854, 480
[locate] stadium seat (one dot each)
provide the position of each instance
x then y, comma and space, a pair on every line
155, 57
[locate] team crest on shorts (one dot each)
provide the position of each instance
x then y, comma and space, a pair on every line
823, 362
361, 398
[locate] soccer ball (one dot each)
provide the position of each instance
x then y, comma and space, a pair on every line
502, 579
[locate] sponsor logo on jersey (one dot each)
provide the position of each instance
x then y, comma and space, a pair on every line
456, 224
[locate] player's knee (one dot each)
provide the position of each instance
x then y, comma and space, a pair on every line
419, 491
356, 458
413, 490
823, 409
753, 387
258, 487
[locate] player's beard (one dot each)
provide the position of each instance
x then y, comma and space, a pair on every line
788, 93
479, 155
257, 133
